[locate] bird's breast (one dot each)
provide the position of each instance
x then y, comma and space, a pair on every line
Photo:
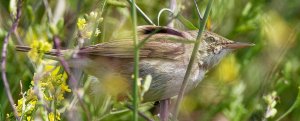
167, 75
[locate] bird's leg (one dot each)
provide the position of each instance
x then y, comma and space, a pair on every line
164, 109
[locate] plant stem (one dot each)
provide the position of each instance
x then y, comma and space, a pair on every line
3, 59
164, 104
164, 109
198, 11
192, 60
140, 113
173, 7
136, 62
147, 19
74, 82
97, 23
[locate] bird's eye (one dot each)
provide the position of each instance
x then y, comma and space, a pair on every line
210, 40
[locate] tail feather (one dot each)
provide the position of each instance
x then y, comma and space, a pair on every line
21, 48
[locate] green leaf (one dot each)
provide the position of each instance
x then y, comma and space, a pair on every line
186, 22
116, 3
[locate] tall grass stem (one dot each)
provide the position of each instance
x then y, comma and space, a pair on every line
136, 62
192, 60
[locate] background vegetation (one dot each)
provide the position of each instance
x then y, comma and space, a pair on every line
258, 83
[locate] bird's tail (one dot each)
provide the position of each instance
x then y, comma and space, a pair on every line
21, 48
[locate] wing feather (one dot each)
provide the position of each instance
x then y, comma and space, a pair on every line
161, 44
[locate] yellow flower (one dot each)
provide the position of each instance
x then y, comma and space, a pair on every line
20, 101
38, 48
51, 116
48, 98
30, 106
52, 86
65, 88
45, 46
49, 65
28, 118
33, 55
20, 106
81, 23
228, 69
60, 97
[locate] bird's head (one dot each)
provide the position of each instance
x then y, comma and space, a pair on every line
214, 48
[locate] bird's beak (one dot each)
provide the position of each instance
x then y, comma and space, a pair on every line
238, 45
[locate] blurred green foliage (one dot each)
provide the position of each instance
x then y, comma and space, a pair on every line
232, 91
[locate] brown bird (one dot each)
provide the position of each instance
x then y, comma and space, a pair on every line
164, 56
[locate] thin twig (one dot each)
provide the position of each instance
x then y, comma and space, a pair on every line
65, 65
140, 113
74, 82
173, 7
135, 89
37, 92
24, 100
140, 11
3, 60
280, 56
192, 60
48, 10
145, 40
164, 109
198, 11
161, 11
97, 23
164, 104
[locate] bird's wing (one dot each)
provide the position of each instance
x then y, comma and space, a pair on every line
162, 43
